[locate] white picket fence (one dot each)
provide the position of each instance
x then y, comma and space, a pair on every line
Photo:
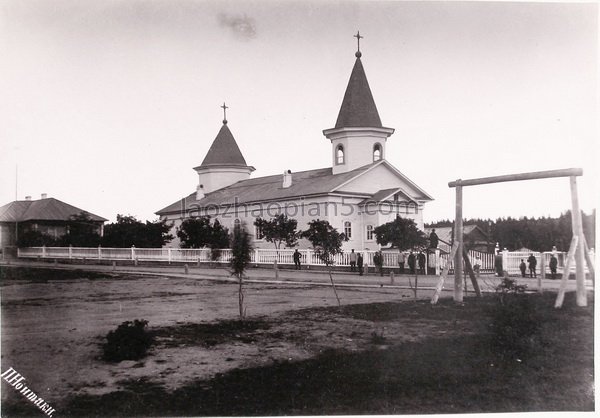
512, 259
435, 261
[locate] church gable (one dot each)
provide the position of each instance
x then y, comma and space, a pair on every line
380, 179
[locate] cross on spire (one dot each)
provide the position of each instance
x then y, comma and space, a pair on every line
358, 38
224, 107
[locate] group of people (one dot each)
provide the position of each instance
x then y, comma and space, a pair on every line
413, 260
532, 263
357, 262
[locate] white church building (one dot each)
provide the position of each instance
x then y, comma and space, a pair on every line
360, 190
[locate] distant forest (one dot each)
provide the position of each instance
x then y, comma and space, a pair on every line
538, 234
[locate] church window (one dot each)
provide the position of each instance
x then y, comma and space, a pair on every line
339, 155
348, 229
377, 154
369, 232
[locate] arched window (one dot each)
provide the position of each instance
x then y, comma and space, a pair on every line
339, 155
237, 223
377, 152
348, 229
369, 232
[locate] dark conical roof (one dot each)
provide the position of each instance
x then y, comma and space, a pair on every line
358, 108
224, 150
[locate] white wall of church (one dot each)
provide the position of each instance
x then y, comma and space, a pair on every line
378, 178
217, 178
337, 210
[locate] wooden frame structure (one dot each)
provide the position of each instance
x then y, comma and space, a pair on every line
578, 252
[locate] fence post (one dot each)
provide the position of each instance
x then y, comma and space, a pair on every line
133, 252
99, 252
43, 251
437, 262
505, 260
308, 259
70, 251
542, 271
170, 256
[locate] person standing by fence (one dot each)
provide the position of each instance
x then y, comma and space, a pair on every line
401, 261
411, 262
359, 263
421, 261
498, 264
523, 268
297, 260
553, 265
477, 264
352, 261
532, 264
378, 261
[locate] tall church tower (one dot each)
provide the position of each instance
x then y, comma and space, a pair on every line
224, 163
358, 138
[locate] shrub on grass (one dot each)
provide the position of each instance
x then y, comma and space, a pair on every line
129, 341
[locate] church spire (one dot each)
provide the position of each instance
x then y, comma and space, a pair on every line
358, 138
224, 163
358, 107
224, 149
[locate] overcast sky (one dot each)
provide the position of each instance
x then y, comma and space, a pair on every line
108, 105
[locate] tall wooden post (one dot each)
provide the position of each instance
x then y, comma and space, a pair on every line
579, 252
458, 240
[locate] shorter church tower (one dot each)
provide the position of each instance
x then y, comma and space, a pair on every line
224, 163
358, 138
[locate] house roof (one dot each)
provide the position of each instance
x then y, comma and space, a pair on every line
224, 150
270, 188
49, 209
444, 233
358, 107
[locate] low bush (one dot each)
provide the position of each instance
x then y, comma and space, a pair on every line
129, 341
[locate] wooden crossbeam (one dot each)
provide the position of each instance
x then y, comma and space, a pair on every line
566, 172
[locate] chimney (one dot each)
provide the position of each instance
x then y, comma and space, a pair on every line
27, 197
199, 192
287, 179
44, 195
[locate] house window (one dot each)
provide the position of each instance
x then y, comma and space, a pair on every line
369, 232
348, 229
339, 155
258, 233
377, 154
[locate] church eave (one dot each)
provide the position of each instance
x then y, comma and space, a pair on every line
206, 167
345, 130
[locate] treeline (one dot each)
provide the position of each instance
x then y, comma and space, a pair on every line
538, 234
82, 232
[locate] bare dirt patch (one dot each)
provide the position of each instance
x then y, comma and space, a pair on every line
298, 353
